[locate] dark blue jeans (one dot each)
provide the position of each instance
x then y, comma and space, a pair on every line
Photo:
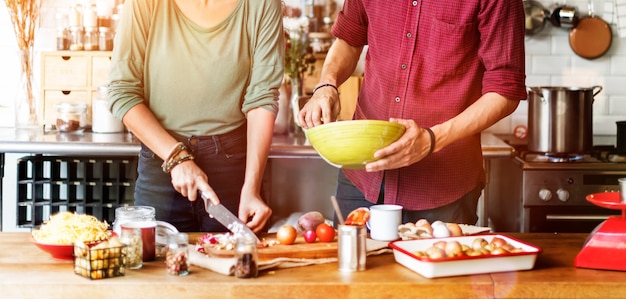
463, 210
223, 159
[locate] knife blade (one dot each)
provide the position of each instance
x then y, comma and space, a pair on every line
226, 218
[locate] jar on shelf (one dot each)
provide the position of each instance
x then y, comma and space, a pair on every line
177, 256
105, 39
102, 121
63, 39
246, 256
90, 16
77, 38
71, 117
90, 39
75, 15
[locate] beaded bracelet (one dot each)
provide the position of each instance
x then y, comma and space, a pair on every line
324, 85
175, 162
432, 141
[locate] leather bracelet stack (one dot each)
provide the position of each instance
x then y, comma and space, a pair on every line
174, 159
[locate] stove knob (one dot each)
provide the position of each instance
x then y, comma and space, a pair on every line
562, 194
545, 194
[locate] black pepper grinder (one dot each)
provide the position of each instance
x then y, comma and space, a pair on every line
247, 256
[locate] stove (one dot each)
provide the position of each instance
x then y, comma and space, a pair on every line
538, 192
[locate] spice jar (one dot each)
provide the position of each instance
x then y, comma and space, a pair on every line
133, 252
71, 117
247, 256
177, 256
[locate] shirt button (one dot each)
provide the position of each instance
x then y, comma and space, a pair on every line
403, 66
397, 99
409, 35
414, 3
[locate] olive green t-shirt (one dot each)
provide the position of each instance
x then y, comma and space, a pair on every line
196, 80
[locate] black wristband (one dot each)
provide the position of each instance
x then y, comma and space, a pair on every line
324, 85
432, 141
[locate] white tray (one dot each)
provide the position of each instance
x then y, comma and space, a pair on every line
404, 254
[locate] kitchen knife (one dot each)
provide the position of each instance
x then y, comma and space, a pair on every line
226, 218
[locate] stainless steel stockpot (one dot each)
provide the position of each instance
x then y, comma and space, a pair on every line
560, 119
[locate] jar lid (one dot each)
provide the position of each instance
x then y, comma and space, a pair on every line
77, 107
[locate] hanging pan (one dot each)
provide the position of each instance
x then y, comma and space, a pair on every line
592, 36
536, 16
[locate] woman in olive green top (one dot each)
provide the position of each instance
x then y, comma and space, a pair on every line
197, 82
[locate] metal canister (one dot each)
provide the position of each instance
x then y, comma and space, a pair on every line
352, 252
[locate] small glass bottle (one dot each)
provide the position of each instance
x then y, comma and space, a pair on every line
131, 236
247, 256
90, 40
105, 39
177, 257
63, 39
77, 35
63, 33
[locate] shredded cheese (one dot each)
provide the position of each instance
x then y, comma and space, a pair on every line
65, 228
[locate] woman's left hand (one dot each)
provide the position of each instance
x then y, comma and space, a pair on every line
254, 212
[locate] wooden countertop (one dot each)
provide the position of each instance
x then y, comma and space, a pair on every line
27, 272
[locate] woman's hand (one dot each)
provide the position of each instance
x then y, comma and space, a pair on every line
188, 179
253, 211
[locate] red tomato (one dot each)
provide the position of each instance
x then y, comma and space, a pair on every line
286, 234
325, 232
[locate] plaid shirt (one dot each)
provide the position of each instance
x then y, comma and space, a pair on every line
428, 60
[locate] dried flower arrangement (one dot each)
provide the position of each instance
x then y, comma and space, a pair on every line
25, 18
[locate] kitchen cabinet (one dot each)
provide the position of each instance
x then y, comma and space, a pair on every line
71, 76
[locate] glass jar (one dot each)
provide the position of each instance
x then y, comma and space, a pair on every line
177, 256
90, 40
246, 256
102, 121
77, 35
105, 39
71, 117
133, 253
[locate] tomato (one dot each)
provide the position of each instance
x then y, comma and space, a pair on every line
310, 236
325, 232
286, 234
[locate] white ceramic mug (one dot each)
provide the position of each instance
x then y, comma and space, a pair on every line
384, 221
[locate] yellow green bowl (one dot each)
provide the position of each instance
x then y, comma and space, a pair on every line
352, 143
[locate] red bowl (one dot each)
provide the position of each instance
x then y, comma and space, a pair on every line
62, 252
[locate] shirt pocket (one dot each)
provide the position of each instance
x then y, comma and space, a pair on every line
452, 49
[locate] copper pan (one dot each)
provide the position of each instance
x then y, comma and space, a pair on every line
592, 36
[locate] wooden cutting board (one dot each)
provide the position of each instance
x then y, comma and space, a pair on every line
299, 249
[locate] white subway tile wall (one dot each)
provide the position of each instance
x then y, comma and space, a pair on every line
549, 61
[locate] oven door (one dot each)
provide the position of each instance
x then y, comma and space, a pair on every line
569, 219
